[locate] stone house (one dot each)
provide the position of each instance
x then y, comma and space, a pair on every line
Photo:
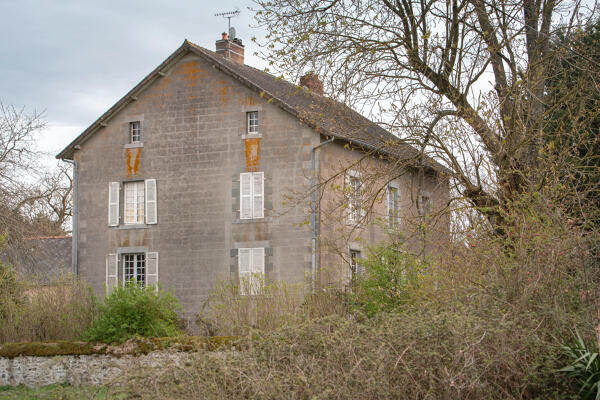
205, 171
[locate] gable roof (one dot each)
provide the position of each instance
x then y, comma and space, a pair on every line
321, 113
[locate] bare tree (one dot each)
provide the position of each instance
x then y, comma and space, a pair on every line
464, 80
34, 201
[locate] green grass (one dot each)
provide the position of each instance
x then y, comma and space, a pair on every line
52, 392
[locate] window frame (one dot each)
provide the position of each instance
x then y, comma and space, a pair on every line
354, 267
354, 198
425, 207
135, 130
138, 186
393, 205
252, 123
138, 258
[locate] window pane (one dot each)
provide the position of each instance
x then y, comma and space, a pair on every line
134, 202
354, 203
134, 268
252, 122
141, 270
135, 133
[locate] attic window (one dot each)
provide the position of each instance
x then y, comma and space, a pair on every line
252, 118
135, 132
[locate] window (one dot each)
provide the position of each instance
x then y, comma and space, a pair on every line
393, 212
139, 205
135, 132
252, 121
252, 195
134, 268
425, 204
134, 202
354, 198
251, 265
355, 267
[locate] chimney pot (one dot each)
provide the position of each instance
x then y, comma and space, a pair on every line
224, 36
311, 81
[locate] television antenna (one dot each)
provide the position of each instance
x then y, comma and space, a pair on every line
229, 15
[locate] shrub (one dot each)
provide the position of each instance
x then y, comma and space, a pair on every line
59, 309
273, 304
390, 280
228, 312
131, 311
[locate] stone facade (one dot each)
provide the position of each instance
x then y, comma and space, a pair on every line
194, 145
77, 370
193, 126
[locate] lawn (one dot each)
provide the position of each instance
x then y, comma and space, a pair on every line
52, 392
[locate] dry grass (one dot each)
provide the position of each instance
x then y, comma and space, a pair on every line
485, 324
59, 310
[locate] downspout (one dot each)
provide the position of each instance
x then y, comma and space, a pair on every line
75, 234
313, 208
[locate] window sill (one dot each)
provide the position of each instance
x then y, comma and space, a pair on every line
133, 145
249, 221
133, 226
252, 136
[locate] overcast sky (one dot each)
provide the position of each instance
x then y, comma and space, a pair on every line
74, 59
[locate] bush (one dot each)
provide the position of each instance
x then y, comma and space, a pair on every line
228, 312
390, 280
274, 304
131, 311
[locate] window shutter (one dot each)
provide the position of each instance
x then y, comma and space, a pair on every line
389, 205
258, 260
150, 195
246, 195
258, 195
258, 270
112, 265
348, 190
244, 269
152, 269
113, 203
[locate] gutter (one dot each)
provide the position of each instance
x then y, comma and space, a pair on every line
75, 234
313, 208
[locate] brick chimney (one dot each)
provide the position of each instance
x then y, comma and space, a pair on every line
311, 81
230, 48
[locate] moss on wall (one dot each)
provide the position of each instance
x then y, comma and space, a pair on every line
131, 347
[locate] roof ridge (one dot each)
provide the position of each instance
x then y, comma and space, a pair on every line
318, 112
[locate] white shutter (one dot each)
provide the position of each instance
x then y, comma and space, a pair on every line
258, 195
113, 203
150, 196
258, 260
244, 269
112, 265
246, 195
152, 269
258, 270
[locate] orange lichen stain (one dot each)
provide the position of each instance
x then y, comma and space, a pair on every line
191, 72
250, 101
223, 91
159, 90
252, 150
133, 167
